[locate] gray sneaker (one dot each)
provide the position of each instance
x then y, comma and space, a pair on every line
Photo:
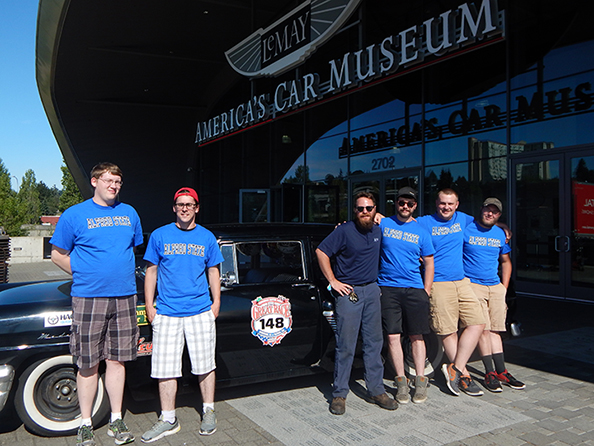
403, 393
85, 436
469, 387
209, 423
452, 376
120, 432
421, 384
159, 430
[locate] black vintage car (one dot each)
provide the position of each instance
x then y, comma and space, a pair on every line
275, 321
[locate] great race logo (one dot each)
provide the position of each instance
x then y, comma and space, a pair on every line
271, 319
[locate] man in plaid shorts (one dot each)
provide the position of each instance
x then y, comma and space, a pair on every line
185, 259
94, 241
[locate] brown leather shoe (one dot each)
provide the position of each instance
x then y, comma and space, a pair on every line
385, 402
338, 406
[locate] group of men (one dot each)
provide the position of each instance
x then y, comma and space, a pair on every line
95, 241
375, 274
373, 270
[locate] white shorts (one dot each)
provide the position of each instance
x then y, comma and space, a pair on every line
169, 332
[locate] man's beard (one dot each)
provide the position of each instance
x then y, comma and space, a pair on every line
366, 225
488, 225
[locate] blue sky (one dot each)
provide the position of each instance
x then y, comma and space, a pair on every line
26, 139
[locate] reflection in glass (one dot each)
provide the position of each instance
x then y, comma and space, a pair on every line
298, 173
367, 186
555, 109
473, 181
323, 203
323, 159
582, 244
254, 205
537, 221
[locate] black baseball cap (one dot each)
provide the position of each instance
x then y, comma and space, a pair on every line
407, 192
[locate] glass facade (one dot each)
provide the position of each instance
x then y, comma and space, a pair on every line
457, 121
503, 116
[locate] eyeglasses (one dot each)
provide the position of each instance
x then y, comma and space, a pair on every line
116, 183
367, 208
185, 205
409, 204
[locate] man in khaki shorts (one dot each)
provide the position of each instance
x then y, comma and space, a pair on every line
485, 248
452, 301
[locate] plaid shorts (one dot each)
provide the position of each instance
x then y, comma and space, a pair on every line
169, 332
103, 328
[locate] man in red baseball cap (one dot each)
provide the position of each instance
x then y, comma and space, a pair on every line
185, 259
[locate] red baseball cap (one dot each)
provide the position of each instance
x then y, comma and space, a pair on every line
186, 191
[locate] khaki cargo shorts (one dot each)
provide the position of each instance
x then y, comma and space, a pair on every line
492, 299
453, 305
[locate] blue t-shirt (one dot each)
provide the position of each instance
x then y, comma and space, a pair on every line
447, 238
183, 258
101, 241
482, 248
356, 253
402, 246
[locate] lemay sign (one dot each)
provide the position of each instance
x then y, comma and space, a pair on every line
434, 38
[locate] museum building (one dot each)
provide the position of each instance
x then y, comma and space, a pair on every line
282, 110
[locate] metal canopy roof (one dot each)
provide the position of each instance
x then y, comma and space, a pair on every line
127, 82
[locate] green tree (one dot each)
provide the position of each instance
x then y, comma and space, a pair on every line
28, 198
70, 193
301, 175
49, 198
11, 209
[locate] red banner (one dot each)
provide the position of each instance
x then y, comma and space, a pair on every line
584, 209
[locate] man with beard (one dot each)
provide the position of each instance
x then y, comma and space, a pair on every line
354, 247
405, 299
484, 249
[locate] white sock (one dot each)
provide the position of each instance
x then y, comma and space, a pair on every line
168, 415
206, 406
115, 416
86, 422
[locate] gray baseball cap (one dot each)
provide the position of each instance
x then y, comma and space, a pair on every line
495, 202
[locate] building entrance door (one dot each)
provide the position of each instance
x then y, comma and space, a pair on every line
553, 221
385, 187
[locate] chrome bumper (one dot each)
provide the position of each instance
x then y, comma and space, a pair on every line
6, 379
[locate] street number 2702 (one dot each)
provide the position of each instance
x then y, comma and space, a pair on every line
387, 162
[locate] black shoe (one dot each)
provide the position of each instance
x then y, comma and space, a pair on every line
469, 387
338, 406
507, 379
492, 382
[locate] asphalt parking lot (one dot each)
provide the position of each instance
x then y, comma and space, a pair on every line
554, 356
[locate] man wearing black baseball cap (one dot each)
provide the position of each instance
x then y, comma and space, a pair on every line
405, 293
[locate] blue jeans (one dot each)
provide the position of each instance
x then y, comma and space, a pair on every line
350, 317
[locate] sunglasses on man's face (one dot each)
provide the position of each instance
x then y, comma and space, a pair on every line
409, 204
367, 208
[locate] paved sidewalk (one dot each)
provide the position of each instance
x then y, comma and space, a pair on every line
554, 356
35, 272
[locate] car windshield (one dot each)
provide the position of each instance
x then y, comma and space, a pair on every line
263, 261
